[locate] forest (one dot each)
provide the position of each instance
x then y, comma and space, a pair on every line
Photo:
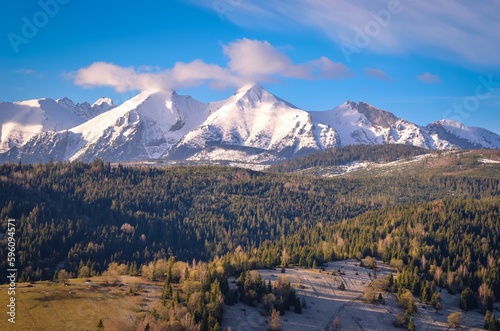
350, 153
439, 229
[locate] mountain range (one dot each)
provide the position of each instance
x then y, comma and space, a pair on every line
251, 126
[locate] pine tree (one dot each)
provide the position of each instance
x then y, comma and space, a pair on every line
297, 306
490, 322
467, 300
269, 288
487, 318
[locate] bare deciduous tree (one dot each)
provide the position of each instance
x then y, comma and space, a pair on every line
275, 323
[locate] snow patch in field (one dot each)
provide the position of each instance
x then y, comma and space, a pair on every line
489, 161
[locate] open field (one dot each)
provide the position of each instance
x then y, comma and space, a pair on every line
80, 305
325, 302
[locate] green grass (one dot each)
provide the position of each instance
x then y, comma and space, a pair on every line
79, 306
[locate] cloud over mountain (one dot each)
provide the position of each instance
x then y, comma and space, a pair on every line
250, 61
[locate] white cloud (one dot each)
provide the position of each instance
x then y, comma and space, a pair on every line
377, 73
253, 57
197, 71
328, 69
461, 30
250, 61
258, 60
429, 78
122, 79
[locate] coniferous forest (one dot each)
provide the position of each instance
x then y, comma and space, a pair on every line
440, 228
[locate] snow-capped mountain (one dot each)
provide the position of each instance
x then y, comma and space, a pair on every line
254, 124
20, 121
453, 134
251, 126
361, 123
85, 110
143, 127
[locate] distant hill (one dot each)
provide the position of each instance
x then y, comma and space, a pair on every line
349, 154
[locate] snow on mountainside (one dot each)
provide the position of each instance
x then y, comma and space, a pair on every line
252, 126
144, 127
20, 121
364, 124
254, 122
453, 134
85, 110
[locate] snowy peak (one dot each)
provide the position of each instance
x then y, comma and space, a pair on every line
66, 103
251, 88
254, 121
361, 123
144, 127
450, 134
376, 115
452, 124
255, 96
85, 110
104, 103
20, 121
248, 87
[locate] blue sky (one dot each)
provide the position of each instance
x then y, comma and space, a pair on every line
421, 60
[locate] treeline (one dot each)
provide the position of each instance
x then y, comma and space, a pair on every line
348, 154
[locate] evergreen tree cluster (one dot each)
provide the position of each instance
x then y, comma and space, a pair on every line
348, 154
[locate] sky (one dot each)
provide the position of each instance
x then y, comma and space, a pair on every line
421, 60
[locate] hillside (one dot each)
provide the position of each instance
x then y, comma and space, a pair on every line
392, 160
191, 210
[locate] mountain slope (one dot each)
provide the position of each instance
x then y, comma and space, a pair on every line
454, 134
144, 127
20, 121
254, 122
363, 124
85, 110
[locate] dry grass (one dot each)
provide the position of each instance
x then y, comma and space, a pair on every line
79, 306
